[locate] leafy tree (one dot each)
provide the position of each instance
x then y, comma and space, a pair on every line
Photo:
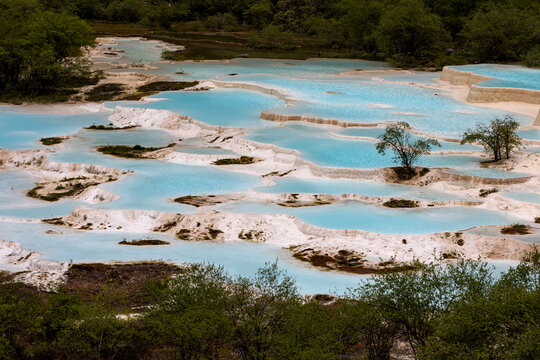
414, 301
398, 138
409, 28
498, 137
501, 32
258, 309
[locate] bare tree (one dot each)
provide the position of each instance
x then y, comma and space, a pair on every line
498, 137
398, 138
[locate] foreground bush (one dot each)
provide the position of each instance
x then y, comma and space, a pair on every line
442, 312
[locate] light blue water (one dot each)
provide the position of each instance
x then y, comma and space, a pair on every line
524, 196
19, 130
359, 215
239, 258
375, 132
532, 134
318, 146
154, 182
222, 107
366, 188
135, 52
312, 68
360, 100
512, 76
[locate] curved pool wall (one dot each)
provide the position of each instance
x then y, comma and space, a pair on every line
494, 83
369, 102
220, 107
507, 76
357, 215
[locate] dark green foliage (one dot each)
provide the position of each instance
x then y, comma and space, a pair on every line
144, 242
134, 152
499, 137
158, 86
445, 312
486, 192
397, 137
39, 52
104, 92
48, 141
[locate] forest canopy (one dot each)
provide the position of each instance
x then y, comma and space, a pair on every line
407, 31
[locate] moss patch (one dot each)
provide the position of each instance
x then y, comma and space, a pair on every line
400, 203
144, 242
125, 151
516, 229
485, 192
242, 160
104, 92
48, 141
110, 127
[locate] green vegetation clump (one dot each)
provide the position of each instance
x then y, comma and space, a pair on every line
242, 160
134, 152
158, 86
486, 192
400, 203
516, 229
48, 141
110, 127
104, 92
144, 242
537, 220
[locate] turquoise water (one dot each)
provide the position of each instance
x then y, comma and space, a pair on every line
359, 215
532, 134
19, 130
512, 76
318, 146
525, 196
15, 204
374, 132
366, 101
238, 258
222, 107
135, 52
313, 68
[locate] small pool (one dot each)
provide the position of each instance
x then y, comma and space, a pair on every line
525, 196
511, 76
360, 215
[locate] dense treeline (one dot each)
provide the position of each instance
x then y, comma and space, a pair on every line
444, 312
429, 32
39, 51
